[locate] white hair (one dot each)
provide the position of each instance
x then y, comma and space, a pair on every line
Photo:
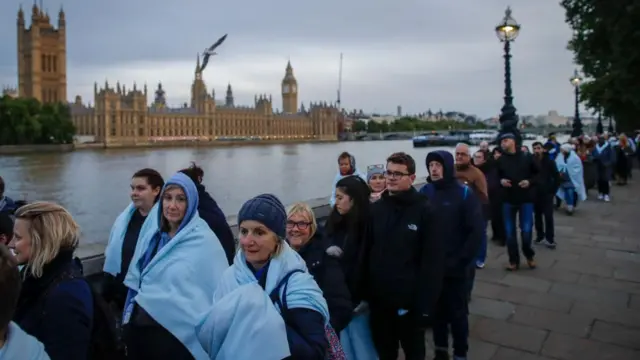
463, 145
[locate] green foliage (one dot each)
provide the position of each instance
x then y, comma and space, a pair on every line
605, 44
407, 123
27, 122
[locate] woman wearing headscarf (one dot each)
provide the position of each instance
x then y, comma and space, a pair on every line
346, 167
266, 293
571, 177
172, 278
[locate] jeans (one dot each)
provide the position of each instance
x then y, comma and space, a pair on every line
482, 250
388, 330
543, 214
452, 313
569, 195
525, 214
603, 187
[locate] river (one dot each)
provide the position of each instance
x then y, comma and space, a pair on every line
94, 184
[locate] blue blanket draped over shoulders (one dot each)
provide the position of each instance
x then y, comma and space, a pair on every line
572, 166
20, 345
302, 292
177, 284
113, 251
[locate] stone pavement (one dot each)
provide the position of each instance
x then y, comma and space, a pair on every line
583, 300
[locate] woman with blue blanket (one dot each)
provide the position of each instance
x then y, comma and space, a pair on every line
571, 173
266, 296
146, 185
172, 278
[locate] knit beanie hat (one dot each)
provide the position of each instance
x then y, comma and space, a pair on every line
267, 210
374, 170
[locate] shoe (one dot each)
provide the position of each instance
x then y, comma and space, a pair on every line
569, 209
607, 198
538, 241
531, 263
549, 244
479, 264
600, 196
441, 355
512, 267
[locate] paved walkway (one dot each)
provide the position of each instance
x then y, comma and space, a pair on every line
583, 300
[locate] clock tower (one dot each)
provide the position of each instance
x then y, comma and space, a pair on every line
289, 91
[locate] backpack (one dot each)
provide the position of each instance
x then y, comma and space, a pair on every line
104, 343
334, 351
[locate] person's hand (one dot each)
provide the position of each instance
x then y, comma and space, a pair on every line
524, 184
505, 183
334, 251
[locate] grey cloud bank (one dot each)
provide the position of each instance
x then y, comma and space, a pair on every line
417, 54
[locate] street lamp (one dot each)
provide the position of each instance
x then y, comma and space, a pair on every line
599, 127
576, 80
507, 31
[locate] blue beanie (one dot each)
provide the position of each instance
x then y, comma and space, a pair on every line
267, 210
508, 136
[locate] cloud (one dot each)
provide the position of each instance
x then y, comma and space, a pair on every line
413, 53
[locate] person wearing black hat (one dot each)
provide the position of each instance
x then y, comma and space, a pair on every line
518, 173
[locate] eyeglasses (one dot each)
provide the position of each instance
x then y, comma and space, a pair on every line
379, 167
302, 225
394, 174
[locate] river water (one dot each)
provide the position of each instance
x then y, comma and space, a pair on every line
94, 184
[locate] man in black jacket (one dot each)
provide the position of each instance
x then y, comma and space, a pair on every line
518, 173
548, 183
404, 264
211, 213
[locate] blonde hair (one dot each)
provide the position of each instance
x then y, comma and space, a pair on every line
305, 210
51, 229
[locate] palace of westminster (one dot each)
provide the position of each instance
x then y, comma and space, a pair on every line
123, 117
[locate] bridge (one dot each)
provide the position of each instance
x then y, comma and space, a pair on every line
405, 135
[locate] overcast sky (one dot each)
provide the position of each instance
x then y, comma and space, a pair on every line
418, 54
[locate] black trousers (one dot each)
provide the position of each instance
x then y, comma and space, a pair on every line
452, 316
153, 343
389, 331
603, 187
497, 220
543, 217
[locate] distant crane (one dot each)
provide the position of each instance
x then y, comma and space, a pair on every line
338, 102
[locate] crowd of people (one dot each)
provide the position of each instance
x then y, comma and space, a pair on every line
389, 262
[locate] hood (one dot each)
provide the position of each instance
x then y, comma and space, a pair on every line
190, 190
446, 159
20, 345
352, 161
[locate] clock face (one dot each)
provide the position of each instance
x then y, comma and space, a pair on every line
293, 88
285, 89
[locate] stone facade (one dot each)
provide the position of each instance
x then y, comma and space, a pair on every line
122, 117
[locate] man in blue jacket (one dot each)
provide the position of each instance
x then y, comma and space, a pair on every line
461, 225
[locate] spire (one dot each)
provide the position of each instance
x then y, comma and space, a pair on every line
198, 63
229, 91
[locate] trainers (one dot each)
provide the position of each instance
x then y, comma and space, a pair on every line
480, 264
600, 196
511, 267
549, 244
569, 210
531, 263
538, 241
607, 198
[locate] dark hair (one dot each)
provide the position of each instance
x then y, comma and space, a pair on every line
405, 159
1, 186
6, 225
9, 287
484, 154
153, 177
344, 155
355, 221
537, 143
194, 172
496, 149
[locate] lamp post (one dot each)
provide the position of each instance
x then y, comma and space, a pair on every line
599, 127
507, 31
610, 129
576, 80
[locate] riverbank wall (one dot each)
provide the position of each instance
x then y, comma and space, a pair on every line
31, 149
92, 255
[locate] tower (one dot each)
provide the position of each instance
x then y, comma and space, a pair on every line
228, 101
289, 91
42, 57
198, 90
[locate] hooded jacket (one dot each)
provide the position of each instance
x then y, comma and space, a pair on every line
354, 172
459, 218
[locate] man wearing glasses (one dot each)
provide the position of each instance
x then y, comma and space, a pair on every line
405, 264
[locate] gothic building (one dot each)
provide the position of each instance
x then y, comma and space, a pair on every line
123, 117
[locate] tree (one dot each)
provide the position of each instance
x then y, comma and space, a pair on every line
27, 122
358, 126
605, 45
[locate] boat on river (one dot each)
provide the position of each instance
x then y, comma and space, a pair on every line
453, 137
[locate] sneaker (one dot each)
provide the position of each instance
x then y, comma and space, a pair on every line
600, 196
538, 241
511, 267
569, 210
531, 263
480, 264
607, 198
549, 244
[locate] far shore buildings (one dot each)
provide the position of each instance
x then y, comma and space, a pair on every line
123, 117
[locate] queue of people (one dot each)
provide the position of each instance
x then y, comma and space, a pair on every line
389, 262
